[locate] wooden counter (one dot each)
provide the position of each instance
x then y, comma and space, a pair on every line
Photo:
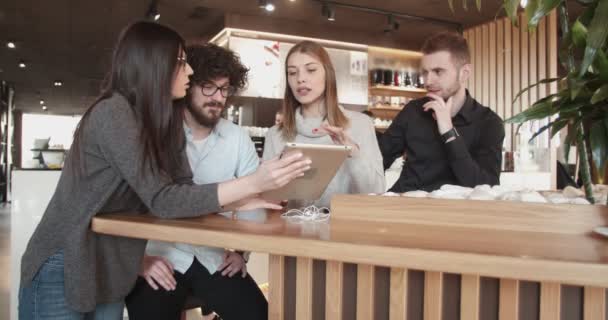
551, 244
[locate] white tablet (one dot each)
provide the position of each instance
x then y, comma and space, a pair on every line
326, 160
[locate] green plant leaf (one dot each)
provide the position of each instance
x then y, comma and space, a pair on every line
575, 85
597, 33
601, 65
566, 56
558, 125
579, 34
542, 129
584, 162
544, 81
541, 109
598, 140
600, 94
537, 9
511, 7
587, 15
566, 108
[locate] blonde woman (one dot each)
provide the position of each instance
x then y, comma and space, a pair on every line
311, 114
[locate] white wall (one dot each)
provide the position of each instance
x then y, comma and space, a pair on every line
39, 126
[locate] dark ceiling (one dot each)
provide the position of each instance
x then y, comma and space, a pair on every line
72, 40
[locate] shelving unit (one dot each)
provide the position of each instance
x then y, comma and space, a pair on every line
394, 59
382, 90
385, 113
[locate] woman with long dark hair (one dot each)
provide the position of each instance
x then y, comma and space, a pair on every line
128, 155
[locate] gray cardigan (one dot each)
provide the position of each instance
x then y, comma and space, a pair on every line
101, 268
363, 173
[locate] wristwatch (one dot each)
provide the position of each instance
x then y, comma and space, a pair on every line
244, 254
452, 133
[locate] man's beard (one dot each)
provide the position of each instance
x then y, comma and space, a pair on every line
453, 88
208, 120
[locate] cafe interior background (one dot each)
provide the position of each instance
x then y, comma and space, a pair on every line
54, 54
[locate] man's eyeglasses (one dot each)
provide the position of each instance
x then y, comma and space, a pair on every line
210, 89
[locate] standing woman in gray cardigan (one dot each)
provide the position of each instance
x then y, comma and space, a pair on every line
128, 155
311, 114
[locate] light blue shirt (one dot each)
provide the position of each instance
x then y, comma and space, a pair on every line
227, 153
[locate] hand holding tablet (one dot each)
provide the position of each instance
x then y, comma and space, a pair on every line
325, 162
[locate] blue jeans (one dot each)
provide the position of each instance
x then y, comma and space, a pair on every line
44, 298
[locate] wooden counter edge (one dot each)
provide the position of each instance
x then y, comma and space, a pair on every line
574, 273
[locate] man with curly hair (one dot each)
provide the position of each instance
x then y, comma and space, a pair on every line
218, 150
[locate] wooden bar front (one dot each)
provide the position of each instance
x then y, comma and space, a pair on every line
515, 244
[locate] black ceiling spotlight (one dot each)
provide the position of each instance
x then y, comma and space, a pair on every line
153, 14
391, 24
328, 12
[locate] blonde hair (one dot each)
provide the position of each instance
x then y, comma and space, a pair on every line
335, 116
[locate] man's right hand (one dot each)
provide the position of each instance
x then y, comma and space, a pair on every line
158, 271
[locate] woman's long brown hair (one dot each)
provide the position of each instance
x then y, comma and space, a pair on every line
144, 66
335, 116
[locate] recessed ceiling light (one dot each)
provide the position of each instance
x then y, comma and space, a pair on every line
58, 83
269, 7
41, 101
157, 17
11, 45
22, 64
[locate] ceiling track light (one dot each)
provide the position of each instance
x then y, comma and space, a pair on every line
328, 12
42, 102
22, 64
396, 15
58, 83
44, 108
153, 14
11, 45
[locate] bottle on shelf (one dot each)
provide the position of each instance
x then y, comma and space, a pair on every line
377, 76
388, 77
396, 78
420, 83
407, 82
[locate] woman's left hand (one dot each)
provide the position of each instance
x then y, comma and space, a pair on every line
339, 136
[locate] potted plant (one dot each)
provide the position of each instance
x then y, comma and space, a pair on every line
581, 103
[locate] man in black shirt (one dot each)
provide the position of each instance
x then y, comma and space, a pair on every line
447, 136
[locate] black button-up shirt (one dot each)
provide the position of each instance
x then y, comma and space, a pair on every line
471, 159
